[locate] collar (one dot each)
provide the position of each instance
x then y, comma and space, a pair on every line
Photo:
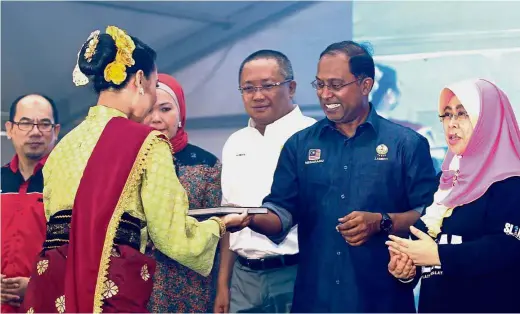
282, 123
100, 111
14, 164
372, 120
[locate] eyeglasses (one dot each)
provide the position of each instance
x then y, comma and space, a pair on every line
28, 126
459, 116
249, 90
320, 85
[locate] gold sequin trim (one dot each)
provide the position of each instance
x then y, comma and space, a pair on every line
56, 240
62, 216
162, 139
221, 225
124, 201
52, 247
130, 223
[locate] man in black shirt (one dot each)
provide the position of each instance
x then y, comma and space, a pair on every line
348, 181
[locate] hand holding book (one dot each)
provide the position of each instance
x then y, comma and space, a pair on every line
225, 210
237, 222
235, 218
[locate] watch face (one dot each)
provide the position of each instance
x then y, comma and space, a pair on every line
386, 223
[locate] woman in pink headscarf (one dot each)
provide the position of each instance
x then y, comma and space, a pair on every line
468, 241
178, 289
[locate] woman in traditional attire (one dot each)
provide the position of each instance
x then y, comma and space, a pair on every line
468, 241
177, 288
104, 181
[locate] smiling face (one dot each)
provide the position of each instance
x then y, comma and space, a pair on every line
457, 126
340, 93
273, 101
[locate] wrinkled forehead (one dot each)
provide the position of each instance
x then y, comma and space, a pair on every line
33, 107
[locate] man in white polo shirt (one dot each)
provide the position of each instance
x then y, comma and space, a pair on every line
262, 273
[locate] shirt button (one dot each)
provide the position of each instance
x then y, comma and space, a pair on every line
337, 282
345, 167
338, 252
342, 196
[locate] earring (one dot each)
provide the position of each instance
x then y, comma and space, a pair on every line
141, 91
180, 124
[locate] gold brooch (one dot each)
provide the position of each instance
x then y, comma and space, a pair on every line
93, 41
78, 77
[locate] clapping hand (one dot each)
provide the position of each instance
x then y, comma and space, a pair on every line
400, 265
423, 252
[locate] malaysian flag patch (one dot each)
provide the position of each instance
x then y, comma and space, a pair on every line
314, 154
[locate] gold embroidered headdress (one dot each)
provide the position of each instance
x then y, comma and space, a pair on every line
115, 71
78, 77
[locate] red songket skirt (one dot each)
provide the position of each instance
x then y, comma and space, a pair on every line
129, 282
127, 289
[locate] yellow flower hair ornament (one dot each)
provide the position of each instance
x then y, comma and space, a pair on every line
115, 71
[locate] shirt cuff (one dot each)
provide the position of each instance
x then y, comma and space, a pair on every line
406, 280
285, 218
420, 209
214, 231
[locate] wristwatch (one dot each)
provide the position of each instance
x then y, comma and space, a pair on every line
386, 223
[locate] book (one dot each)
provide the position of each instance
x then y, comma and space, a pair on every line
225, 210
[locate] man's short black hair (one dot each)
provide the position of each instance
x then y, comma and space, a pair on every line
14, 105
360, 61
286, 69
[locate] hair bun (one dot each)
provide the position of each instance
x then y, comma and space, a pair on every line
104, 53
98, 65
